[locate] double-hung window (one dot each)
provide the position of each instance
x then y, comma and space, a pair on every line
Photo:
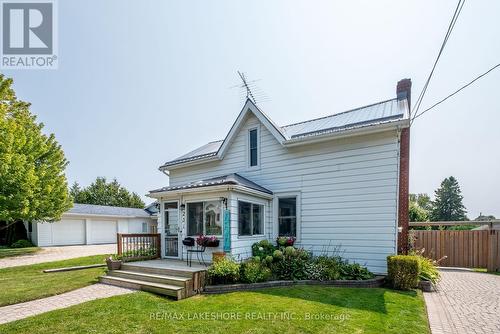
204, 218
253, 153
287, 216
250, 219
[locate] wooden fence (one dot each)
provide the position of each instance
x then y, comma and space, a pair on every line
138, 246
469, 249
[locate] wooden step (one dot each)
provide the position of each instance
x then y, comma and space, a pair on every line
175, 291
155, 278
159, 271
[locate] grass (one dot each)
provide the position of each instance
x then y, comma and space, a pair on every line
484, 270
24, 283
303, 309
8, 252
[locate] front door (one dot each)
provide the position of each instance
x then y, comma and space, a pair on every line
171, 231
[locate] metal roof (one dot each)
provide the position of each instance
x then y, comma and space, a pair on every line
105, 210
230, 179
374, 114
204, 151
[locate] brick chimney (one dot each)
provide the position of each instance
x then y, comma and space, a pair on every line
403, 90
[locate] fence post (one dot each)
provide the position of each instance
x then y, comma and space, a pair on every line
119, 243
493, 250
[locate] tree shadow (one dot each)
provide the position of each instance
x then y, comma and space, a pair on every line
367, 299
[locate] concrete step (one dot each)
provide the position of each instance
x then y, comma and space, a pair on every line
175, 291
155, 278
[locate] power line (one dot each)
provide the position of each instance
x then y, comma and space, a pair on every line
458, 9
455, 92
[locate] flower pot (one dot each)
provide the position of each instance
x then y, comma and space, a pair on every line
113, 264
216, 256
426, 286
212, 243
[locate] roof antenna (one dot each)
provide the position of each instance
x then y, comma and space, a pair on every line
250, 90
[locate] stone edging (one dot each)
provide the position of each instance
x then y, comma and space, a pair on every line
376, 282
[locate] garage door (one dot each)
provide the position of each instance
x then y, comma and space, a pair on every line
68, 232
102, 231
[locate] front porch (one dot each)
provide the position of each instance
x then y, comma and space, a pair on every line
170, 277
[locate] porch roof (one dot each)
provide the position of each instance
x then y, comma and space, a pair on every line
230, 179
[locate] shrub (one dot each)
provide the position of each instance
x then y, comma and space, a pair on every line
329, 267
278, 255
224, 271
293, 265
253, 272
403, 271
268, 259
262, 249
428, 270
354, 271
22, 244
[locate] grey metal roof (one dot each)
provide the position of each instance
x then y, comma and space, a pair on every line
105, 210
371, 115
374, 114
204, 151
231, 179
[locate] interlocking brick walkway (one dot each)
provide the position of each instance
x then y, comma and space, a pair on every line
466, 302
27, 309
56, 253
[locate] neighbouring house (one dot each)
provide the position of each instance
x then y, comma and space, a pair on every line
86, 224
338, 183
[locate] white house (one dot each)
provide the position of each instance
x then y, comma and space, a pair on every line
86, 224
337, 183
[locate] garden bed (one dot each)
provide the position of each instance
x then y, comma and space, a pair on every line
376, 282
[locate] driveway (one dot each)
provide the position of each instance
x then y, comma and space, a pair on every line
48, 254
466, 302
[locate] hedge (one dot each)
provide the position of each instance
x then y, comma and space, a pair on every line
403, 271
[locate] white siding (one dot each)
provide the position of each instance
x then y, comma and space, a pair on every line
348, 189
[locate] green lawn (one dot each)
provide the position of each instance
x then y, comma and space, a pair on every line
7, 252
483, 270
20, 284
276, 310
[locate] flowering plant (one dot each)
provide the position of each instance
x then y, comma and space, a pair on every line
285, 241
207, 241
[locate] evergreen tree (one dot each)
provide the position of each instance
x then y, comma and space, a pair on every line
448, 205
101, 192
33, 185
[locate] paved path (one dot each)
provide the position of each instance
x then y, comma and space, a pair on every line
48, 254
466, 302
27, 309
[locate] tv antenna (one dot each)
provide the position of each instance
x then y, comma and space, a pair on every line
250, 90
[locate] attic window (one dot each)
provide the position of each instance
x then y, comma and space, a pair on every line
253, 147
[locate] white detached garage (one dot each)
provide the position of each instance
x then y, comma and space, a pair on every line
86, 224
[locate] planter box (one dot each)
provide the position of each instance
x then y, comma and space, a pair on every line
114, 264
426, 286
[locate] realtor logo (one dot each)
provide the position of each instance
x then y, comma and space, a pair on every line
28, 34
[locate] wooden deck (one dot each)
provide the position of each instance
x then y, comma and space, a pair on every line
169, 264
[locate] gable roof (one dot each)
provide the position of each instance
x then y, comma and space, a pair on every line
104, 210
393, 111
230, 179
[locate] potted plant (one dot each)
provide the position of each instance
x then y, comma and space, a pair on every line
114, 262
285, 241
206, 241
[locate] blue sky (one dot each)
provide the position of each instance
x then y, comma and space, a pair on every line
142, 82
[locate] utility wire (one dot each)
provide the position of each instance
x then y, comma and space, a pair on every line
455, 92
458, 9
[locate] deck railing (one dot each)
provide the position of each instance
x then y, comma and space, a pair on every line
138, 246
